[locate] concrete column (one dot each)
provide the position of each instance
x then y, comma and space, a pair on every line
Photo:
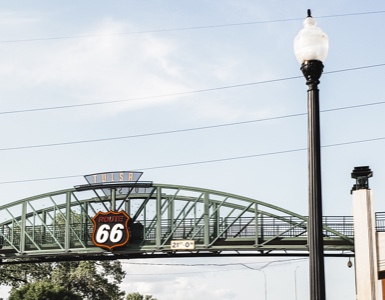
383, 289
365, 245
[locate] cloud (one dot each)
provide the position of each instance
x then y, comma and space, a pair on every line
96, 68
13, 19
108, 66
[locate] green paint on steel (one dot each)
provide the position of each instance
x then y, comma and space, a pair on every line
58, 225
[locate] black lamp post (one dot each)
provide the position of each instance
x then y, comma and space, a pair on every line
311, 47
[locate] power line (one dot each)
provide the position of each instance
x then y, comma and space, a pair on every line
258, 155
184, 28
151, 134
355, 68
181, 93
42, 179
181, 130
180, 273
282, 261
206, 161
146, 31
224, 159
149, 97
243, 265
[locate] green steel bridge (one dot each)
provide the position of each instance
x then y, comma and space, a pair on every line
165, 220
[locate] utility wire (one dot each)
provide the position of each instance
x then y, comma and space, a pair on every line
182, 273
186, 93
282, 261
205, 161
180, 93
243, 265
181, 130
152, 133
150, 97
184, 28
259, 155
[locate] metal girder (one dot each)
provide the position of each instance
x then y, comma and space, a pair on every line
58, 224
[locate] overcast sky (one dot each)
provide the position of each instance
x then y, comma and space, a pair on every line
96, 86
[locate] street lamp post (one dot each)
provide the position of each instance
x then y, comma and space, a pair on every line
310, 47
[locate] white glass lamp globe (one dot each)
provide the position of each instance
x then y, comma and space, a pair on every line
311, 43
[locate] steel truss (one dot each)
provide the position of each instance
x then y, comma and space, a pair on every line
57, 225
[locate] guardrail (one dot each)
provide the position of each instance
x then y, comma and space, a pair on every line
244, 227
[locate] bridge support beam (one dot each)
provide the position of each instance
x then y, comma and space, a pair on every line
22, 227
206, 216
365, 242
158, 239
256, 213
113, 199
67, 237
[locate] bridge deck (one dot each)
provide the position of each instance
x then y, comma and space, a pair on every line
58, 225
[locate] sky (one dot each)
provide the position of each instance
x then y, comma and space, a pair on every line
197, 93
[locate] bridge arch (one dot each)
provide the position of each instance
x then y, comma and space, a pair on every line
58, 225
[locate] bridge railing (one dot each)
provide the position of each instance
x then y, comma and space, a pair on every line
53, 236
380, 221
341, 224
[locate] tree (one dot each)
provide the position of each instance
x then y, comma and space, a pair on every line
89, 279
42, 290
137, 296
60, 219
20, 274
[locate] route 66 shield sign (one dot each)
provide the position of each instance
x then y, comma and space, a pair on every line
110, 229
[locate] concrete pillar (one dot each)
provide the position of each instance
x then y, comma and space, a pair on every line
365, 241
365, 245
383, 288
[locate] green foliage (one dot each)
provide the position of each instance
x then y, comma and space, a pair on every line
42, 290
137, 296
20, 274
89, 279
75, 218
